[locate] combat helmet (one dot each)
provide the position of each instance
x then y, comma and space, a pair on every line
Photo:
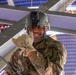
35, 19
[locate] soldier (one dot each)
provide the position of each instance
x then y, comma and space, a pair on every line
38, 54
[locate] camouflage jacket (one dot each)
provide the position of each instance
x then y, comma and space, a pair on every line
47, 48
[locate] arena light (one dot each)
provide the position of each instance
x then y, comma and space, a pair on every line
71, 7
33, 7
51, 33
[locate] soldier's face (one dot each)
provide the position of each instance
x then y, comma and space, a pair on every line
37, 32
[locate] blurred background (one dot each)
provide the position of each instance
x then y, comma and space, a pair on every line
8, 22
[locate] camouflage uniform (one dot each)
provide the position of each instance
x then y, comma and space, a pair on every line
48, 50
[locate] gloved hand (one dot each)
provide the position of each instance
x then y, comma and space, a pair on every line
24, 40
49, 69
25, 43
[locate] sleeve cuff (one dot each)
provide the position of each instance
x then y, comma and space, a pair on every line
31, 53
